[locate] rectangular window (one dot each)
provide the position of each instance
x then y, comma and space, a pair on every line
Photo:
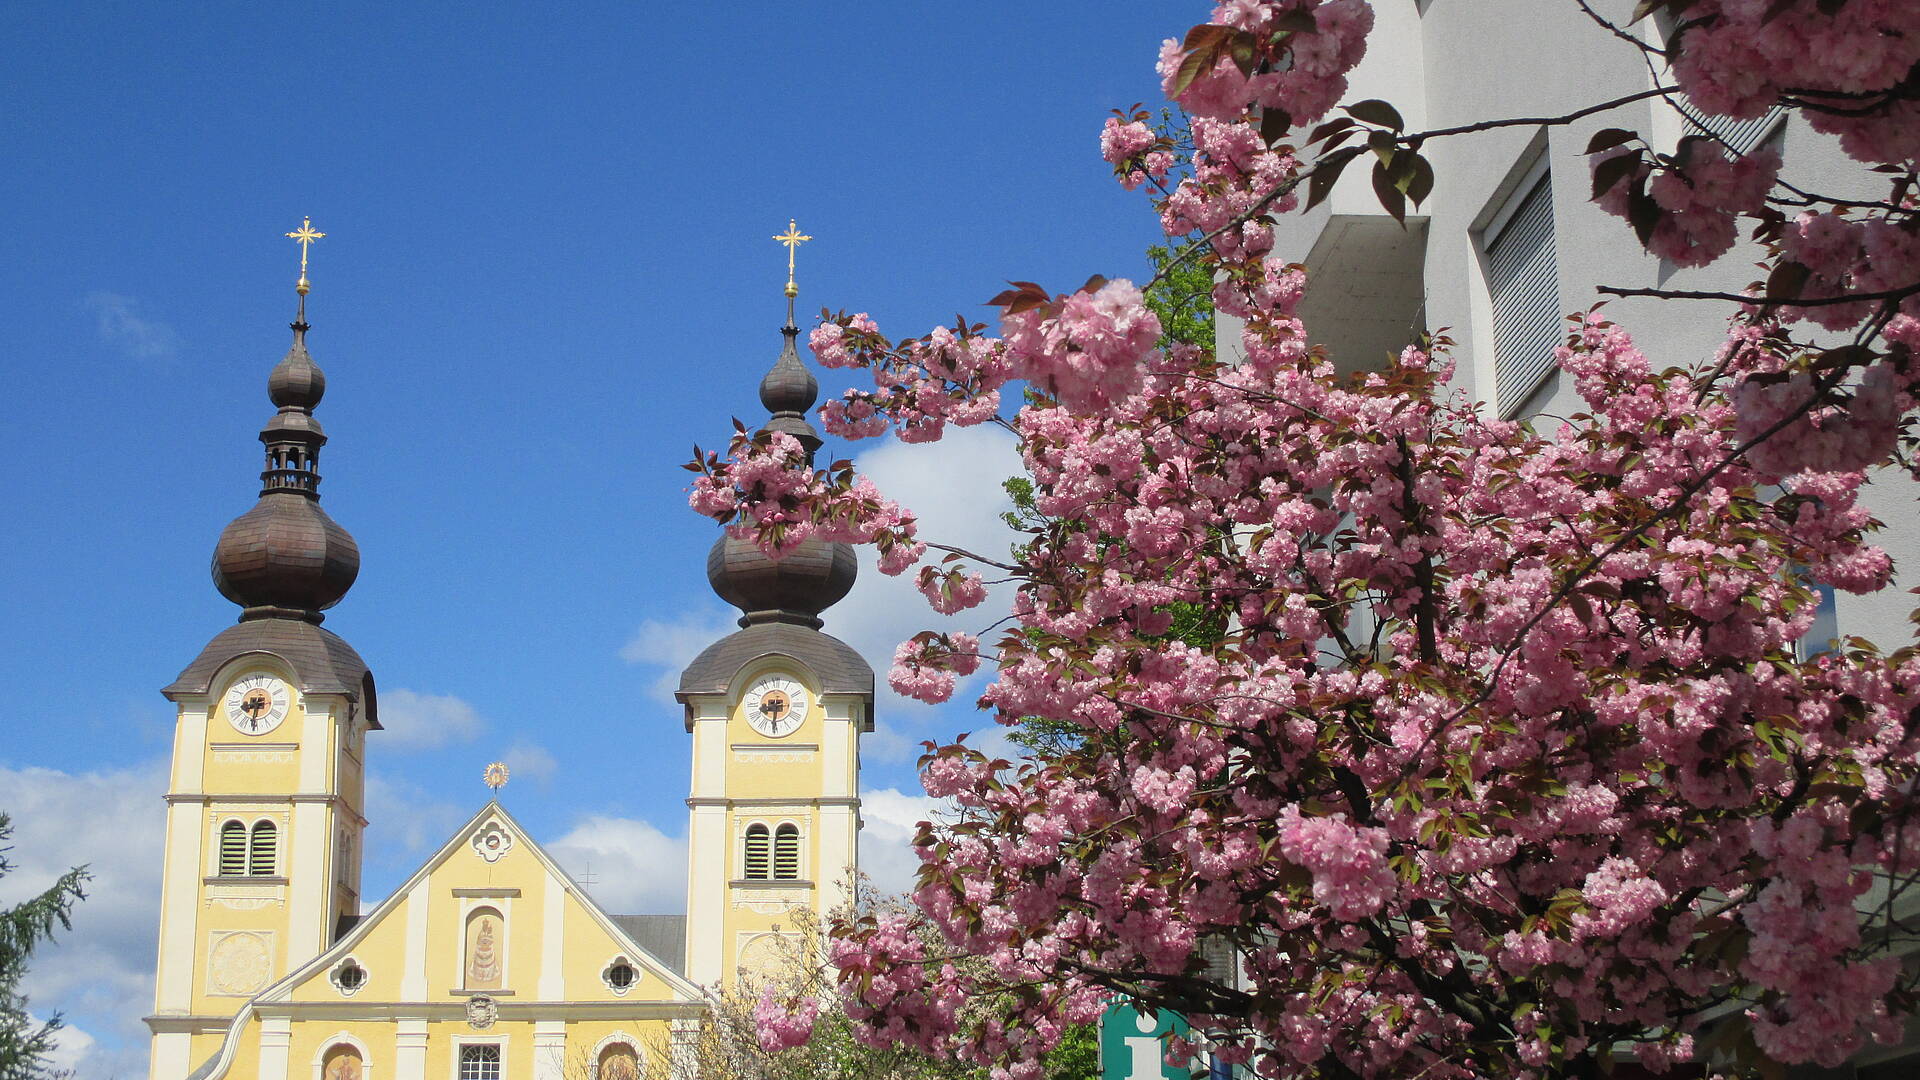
1524, 288
480, 1061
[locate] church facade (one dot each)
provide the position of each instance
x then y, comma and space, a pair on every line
489, 962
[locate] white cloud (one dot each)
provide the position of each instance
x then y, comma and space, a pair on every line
416, 721
528, 761
890, 818
954, 487
403, 821
637, 868
671, 644
121, 324
99, 974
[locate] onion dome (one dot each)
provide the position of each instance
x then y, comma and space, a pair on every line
804, 582
285, 558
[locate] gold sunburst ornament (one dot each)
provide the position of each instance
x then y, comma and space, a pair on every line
495, 776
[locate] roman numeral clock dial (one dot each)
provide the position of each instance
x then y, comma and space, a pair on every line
257, 704
776, 706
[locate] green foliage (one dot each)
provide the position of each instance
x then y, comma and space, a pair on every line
1078, 1055
24, 1044
1182, 298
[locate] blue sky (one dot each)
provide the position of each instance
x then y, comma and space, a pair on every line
547, 274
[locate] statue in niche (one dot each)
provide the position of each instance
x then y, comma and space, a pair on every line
483, 951
619, 1062
343, 1063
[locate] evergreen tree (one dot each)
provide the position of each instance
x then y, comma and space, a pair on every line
24, 1044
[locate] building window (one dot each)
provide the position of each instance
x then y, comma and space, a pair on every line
480, 1061
754, 867
342, 1062
348, 977
260, 851
618, 1061
620, 975
486, 951
233, 849
1523, 286
1824, 635
1744, 136
786, 852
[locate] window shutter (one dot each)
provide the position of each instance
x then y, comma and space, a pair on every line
260, 860
786, 853
756, 864
233, 849
1523, 286
1742, 136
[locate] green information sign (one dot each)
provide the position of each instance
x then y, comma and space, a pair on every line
1133, 1044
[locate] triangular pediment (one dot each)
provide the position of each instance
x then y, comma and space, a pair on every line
490, 913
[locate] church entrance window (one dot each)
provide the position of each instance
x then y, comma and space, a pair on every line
619, 1062
342, 1063
480, 1061
486, 954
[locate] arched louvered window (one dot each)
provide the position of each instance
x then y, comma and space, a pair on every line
755, 867
786, 852
260, 852
233, 849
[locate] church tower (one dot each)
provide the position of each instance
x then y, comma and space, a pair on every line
262, 860
776, 711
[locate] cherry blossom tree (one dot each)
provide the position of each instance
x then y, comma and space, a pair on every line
1512, 756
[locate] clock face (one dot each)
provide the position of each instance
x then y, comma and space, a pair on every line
256, 704
776, 705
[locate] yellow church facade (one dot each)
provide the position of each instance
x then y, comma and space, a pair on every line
489, 962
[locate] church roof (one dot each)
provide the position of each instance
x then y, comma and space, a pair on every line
839, 668
665, 936
322, 662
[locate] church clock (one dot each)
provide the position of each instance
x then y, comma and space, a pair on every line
776, 705
257, 704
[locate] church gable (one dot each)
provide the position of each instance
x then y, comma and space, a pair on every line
489, 915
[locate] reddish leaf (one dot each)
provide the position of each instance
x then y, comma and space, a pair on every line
1375, 111
1608, 138
1337, 124
1320, 181
1390, 196
1787, 280
1421, 185
1608, 174
1298, 21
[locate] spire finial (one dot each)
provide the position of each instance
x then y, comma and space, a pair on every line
793, 239
305, 235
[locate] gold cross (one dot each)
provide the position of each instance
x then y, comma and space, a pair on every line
304, 236
793, 240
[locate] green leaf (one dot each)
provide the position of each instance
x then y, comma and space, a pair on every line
1375, 111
